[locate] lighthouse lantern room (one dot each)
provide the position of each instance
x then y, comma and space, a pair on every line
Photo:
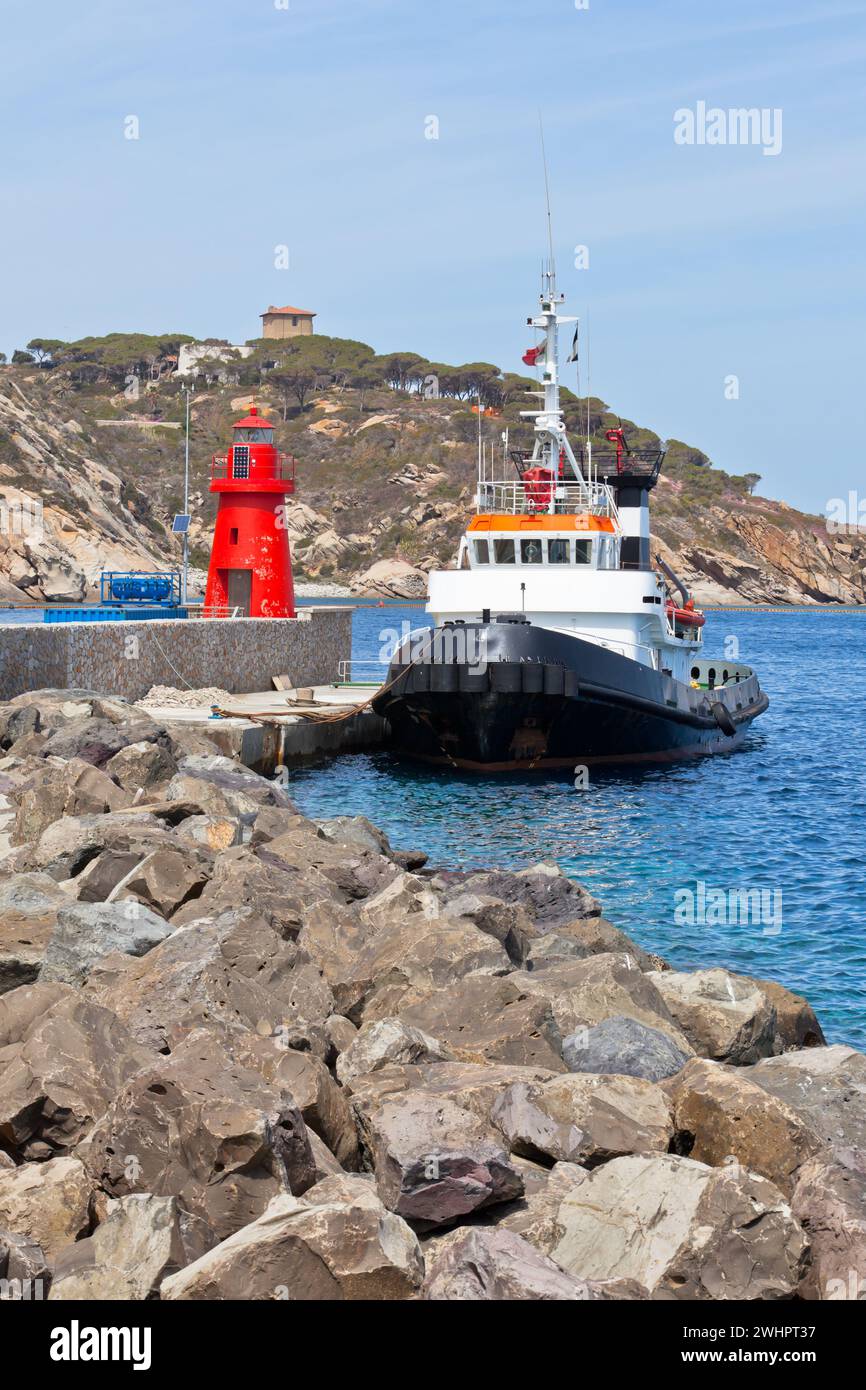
250, 571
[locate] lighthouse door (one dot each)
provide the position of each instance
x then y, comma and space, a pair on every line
240, 591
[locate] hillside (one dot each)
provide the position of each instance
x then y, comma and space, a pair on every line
385, 475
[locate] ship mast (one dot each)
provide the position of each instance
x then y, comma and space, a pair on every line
551, 439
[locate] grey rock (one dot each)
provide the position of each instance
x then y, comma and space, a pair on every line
623, 1046
87, 932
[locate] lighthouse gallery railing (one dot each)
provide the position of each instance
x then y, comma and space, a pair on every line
281, 468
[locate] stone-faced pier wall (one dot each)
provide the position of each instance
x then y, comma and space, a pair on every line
127, 658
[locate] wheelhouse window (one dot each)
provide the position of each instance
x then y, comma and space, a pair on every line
583, 552
503, 552
482, 552
531, 552
557, 552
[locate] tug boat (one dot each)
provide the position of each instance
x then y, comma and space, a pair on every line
555, 640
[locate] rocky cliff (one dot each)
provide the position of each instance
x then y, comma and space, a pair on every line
385, 483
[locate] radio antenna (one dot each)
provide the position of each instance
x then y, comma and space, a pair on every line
547, 198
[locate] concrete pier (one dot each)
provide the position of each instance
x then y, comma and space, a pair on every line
277, 736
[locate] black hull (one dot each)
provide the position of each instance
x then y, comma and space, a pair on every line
542, 699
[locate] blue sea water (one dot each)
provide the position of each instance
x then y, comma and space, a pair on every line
786, 814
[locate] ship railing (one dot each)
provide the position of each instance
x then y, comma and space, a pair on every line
523, 496
350, 672
281, 468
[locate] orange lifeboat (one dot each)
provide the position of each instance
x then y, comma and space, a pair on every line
687, 616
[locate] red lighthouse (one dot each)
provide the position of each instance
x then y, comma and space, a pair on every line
250, 565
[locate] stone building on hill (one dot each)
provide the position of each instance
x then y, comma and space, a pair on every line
286, 322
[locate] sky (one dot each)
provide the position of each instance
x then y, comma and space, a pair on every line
393, 148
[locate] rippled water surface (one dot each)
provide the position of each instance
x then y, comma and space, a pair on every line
787, 814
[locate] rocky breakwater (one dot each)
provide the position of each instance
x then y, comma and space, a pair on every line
248, 1055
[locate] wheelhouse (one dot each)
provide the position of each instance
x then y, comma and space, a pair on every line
557, 542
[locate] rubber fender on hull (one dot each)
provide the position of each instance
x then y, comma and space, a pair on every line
723, 718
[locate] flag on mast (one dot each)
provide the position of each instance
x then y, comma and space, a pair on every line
572, 356
531, 355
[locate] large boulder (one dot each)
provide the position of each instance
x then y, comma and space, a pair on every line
201, 1128
98, 740
355, 871
74, 788
142, 1240
67, 846
550, 899
796, 1022
336, 1243
587, 936
725, 1017
142, 766
392, 578
360, 833
46, 1203
478, 1265
25, 1273
62, 1074
508, 923
830, 1202
223, 787
233, 970
86, 932
28, 913
826, 1088
323, 1104
388, 1042
473, 1086
583, 993
723, 1117
22, 1007
394, 947
242, 879
434, 1160
679, 1228
167, 878
624, 1046
584, 1119
485, 1018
